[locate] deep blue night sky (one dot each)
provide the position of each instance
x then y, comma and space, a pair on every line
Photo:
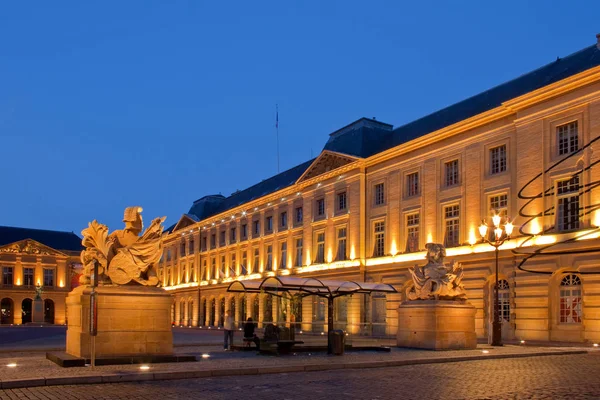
156, 104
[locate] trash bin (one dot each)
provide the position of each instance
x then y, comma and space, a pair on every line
338, 337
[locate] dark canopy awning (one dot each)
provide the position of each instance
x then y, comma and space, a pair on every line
319, 287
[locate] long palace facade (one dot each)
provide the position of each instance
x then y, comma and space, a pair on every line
364, 209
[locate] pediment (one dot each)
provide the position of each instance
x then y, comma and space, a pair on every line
184, 222
327, 161
31, 247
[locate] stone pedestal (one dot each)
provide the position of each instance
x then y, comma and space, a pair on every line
436, 325
37, 308
132, 320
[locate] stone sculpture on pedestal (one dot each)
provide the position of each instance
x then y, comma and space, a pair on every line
435, 281
133, 314
436, 314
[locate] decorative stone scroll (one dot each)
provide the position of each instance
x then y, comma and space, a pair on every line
124, 256
436, 281
26, 247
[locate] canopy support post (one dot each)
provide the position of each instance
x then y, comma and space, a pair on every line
330, 324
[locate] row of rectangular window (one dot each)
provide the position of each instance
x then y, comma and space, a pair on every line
28, 273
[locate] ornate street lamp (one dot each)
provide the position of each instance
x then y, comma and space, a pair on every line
501, 233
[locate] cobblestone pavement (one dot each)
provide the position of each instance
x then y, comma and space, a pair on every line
549, 377
35, 365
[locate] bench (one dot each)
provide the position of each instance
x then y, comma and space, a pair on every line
278, 346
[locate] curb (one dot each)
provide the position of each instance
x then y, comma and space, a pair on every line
48, 349
171, 375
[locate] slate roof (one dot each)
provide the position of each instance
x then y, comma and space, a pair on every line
367, 137
208, 206
361, 138
57, 240
560, 69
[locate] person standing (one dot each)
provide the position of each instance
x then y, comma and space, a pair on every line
228, 326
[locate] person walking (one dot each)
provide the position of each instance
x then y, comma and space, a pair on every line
228, 326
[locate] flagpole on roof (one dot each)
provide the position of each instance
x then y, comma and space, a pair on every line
277, 132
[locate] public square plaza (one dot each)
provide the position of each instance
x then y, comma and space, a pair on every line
512, 371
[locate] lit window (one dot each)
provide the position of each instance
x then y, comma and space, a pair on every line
48, 277
269, 264
499, 204
451, 173
341, 244
567, 138
28, 276
341, 201
283, 255
298, 216
570, 300
283, 222
320, 207
244, 264
320, 253
567, 193
412, 184
7, 276
202, 273
379, 236
498, 159
256, 228
232, 265
222, 267
451, 224
213, 272
412, 232
256, 262
379, 194
504, 300
298, 262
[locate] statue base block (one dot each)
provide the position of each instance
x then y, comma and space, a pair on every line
436, 325
132, 321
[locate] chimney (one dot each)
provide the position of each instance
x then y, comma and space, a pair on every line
598, 41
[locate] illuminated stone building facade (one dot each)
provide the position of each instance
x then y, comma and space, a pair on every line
366, 206
34, 257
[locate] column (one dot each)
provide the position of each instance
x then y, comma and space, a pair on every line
261, 309
307, 313
177, 311
196, 309
238, 310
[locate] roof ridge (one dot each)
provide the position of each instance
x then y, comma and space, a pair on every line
466, 99
36, 229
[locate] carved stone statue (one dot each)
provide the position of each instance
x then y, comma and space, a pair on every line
435, 281
38, 292
123, 256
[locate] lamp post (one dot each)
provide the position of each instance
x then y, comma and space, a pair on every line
501, 233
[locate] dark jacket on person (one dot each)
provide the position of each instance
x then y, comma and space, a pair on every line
249, 329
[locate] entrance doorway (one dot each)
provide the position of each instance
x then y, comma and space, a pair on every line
7, 311
26, 306
48, 311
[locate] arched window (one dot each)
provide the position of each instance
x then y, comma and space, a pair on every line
570, 300
504, 300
